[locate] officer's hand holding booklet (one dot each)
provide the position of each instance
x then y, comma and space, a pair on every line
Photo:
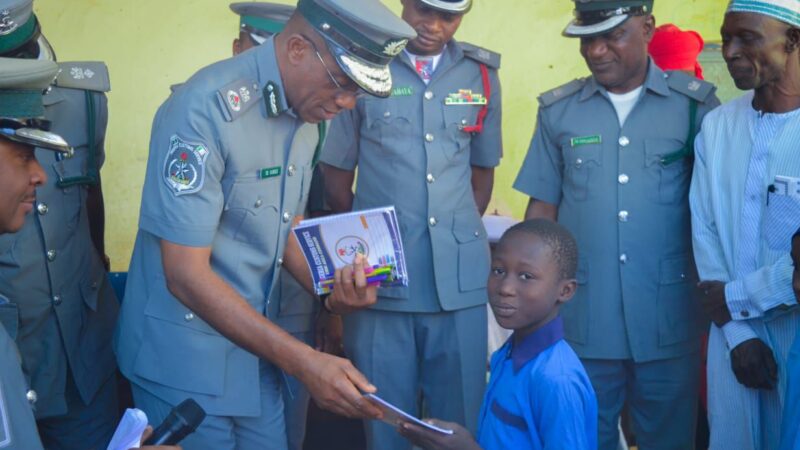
332, 242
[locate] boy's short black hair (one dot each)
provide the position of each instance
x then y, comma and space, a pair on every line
561, 242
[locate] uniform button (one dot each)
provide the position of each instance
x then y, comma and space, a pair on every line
463, 122
387, 114
623, 258
477, 233
623, 216
42, 209
291, 170
578, 162
432, 221
429, 137
258, 203
56, 299
430, 179
623, 179
286, 216
428, 95
51, 255
745, 313
32, 396
280, 262
188, 317
624, 141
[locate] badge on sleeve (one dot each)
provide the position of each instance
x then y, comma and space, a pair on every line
185, 166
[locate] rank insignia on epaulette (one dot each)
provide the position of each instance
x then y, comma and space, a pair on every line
80, 73
694, 85
234, 100
465, 97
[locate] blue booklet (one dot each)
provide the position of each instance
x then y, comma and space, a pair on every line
332, 242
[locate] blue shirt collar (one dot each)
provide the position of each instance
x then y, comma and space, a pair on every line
536, 342
655, 81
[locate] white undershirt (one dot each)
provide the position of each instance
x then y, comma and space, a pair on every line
624, 103
436, 59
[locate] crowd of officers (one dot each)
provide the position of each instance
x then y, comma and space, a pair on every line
217, 304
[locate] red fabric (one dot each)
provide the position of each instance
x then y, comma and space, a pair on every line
487, 87
674, 49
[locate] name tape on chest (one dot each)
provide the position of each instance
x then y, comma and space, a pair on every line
585, 140
184, 166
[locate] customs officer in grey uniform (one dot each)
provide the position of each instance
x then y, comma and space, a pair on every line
54, 269
418, 150
21, 131
611, 160
299, 310
230, 162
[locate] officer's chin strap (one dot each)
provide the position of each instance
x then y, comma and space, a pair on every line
487, 88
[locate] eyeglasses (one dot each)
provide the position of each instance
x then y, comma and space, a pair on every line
353, 90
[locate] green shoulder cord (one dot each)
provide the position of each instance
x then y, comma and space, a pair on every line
322, 127
91, 178
688, 149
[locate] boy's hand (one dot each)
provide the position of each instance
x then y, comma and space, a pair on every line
433, 440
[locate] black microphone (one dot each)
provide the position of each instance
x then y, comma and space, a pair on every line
181, 422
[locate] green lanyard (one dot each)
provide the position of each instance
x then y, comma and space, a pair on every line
91, 178
688, 149
322, 127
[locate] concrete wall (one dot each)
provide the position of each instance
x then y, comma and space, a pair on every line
151, 44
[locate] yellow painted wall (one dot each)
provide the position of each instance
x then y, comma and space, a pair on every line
151, 44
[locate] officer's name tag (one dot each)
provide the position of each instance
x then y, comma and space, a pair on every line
269, 172
585, 140
787, 186
402, 91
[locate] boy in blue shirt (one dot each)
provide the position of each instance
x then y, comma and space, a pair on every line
539, 396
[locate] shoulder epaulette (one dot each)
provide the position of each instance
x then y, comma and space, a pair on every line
89, 76
238, 97
561, 92
690, 86
481, 55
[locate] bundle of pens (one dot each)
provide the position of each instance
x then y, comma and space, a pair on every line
377, 275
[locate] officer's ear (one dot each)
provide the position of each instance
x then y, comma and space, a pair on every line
792, 39
297, 48
237, 47
649, 27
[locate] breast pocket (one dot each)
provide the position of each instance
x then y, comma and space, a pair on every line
677, 306
783, 218
581, 165
473, 250
251, 211
671, 165
386, 127
456, 118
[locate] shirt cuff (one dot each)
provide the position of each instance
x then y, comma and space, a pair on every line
736, 333
739, 305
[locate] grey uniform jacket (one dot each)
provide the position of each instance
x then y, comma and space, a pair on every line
60, 298
17, 425
228, 169
412, 152
623, 193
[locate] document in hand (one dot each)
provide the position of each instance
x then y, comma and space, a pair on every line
332, 242
393, 415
